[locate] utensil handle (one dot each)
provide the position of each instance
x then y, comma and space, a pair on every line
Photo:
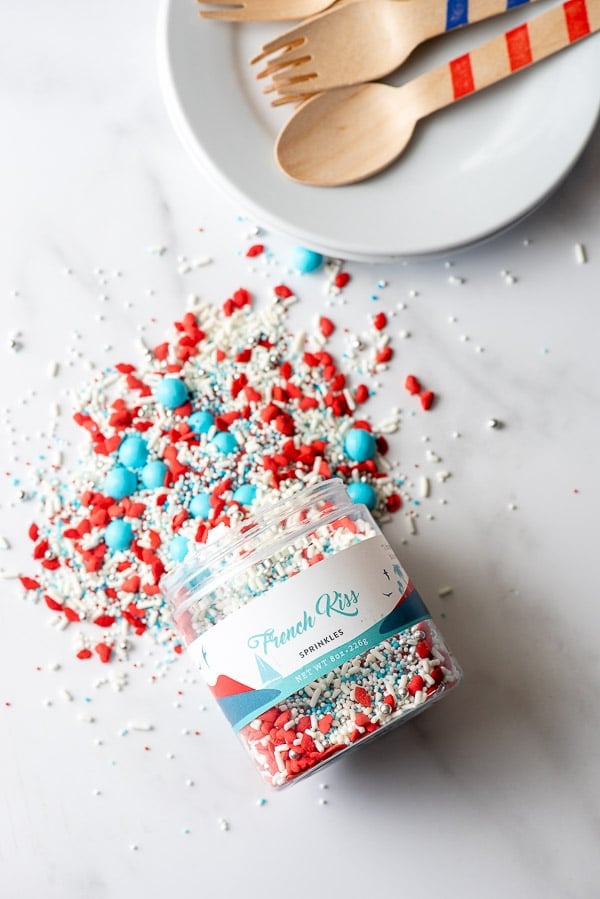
504, 55
465, 12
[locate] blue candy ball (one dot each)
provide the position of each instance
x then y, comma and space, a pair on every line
306, 260
200, 506
118, 534
133, 452
120, 482
359, 445
362, 493
153, 474
171, 392
201, 422
225, 442
178, 548
245, 494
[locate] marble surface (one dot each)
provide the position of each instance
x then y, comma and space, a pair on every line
494, 792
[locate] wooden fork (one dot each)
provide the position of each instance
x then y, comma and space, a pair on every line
262, 10
362, 41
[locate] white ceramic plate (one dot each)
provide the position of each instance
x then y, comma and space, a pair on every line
470, 171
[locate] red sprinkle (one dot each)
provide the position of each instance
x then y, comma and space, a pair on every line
255, 250
427, 398
326, 326
412, 384
341, 279
415, 684
362, 697
104, 651
380, 321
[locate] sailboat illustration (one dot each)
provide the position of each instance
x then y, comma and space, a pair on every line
266, 671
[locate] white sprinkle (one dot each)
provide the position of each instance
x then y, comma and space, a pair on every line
444, 591
223, 824
66, 695
140, 725
411, 524
424, 486
580, 254
455, 280
4, 544
53, 369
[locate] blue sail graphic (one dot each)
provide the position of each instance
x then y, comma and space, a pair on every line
267, 673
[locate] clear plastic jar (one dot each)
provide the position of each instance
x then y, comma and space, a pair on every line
308, 631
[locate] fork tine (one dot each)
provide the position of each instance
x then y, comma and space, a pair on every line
286, 81
296, 98
279, 64
292, 38
228, 14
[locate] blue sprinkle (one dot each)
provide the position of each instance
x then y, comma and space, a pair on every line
201, 422
133, 452
306, 261
171, 392
225, 442
359, 445
200, 505
178, 548
245, 494
360, 492
118, 534
153, 474
120, 482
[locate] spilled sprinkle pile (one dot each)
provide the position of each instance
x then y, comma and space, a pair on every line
233, 411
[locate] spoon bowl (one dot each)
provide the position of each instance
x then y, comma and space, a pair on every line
344, 135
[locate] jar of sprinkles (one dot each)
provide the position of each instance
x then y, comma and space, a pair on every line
309, 632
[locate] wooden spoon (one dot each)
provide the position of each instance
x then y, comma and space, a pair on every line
345, 135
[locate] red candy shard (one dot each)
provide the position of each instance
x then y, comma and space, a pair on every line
384, 354
29, 583
341, 279
104, 651
362, 697
255, 250
423, 649
104, 620
380, 321
393, 502
283, 292
415, 684
412, 384
361, 394
325, 723
33, 532
361, 719
84, 654
326, 326
70, 614
427, 399
53, 604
